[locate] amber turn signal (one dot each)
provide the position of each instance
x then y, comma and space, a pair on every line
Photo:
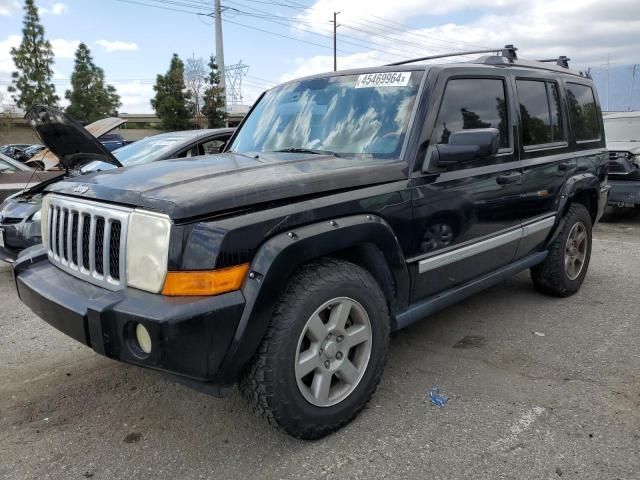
201, 283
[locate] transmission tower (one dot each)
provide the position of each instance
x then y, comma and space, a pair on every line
233, 78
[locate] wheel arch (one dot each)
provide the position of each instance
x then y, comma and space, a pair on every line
365, 240
583, 189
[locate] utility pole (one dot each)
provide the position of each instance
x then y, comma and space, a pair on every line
608, 78
633, 80
335, 40
220, 49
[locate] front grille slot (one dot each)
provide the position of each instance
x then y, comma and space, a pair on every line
100, 245
74, 238
114, 251
87, 239
63, 234
86, 231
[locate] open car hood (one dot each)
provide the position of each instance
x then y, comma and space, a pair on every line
72, 144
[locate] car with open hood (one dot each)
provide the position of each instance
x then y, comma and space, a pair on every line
623, 143
102, 129
20, 214
346, 206
14, 150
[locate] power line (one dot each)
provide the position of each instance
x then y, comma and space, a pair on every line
441, 38
162, 8
368, 44
407, 29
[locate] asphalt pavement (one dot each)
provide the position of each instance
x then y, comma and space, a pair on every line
538, 387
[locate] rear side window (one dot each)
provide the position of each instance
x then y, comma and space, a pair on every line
539, 112
583, 112
472, 103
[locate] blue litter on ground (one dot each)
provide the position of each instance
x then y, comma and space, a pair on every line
437, 399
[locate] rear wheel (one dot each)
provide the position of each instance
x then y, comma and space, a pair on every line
324, 351
563, 271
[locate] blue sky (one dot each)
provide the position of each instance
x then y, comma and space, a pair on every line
133, 43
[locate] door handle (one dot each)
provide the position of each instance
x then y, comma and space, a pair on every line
508, 178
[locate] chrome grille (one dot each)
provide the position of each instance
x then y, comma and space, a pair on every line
88, 240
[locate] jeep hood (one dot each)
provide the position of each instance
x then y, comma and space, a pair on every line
202, 186
72, 144
632, 147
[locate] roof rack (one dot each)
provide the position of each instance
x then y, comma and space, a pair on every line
561, 61
509, 52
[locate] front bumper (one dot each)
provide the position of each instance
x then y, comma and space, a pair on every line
190, 336
624, 193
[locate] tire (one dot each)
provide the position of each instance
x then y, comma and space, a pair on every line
554, 276
275, 384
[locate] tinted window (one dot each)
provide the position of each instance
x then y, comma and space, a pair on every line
472, 103
539, 112
583, 112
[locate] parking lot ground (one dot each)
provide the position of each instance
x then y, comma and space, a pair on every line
539, 387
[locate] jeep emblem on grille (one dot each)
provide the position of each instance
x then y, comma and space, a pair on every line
81, 189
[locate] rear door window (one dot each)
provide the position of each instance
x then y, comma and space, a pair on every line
584, 113
539, 112
472, 103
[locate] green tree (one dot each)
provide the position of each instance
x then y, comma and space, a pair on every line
34, 61
90, 99
214, 98
171, 102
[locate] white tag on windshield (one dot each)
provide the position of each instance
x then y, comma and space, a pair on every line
386, 79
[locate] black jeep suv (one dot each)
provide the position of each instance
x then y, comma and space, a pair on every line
348, 205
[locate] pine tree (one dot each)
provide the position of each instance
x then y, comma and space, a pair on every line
90, 99
34, 61
171, 102
214, 98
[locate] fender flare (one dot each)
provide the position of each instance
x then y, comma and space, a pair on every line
281, 255
573, 186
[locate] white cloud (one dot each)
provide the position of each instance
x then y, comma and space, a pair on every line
135, 96
55, 9
118, 46
321, 11
6, 62
9, 7
585, 30
63, 48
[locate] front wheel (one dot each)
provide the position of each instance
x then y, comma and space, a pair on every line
563, 271
324, 351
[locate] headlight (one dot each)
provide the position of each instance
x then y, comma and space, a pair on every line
36, 216
44, 221
147, 250
636, 160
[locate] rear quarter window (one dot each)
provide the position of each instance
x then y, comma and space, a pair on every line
584, 112
539, 112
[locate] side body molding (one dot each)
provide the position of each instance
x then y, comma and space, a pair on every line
281, 255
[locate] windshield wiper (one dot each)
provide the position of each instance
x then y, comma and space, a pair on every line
307, 150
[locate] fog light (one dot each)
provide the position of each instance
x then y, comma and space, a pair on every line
143, 337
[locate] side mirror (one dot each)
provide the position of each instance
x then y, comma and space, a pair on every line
222, 147
464, 146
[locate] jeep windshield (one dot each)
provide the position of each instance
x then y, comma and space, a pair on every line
347, 116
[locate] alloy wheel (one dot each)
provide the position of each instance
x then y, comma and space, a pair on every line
333, 352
